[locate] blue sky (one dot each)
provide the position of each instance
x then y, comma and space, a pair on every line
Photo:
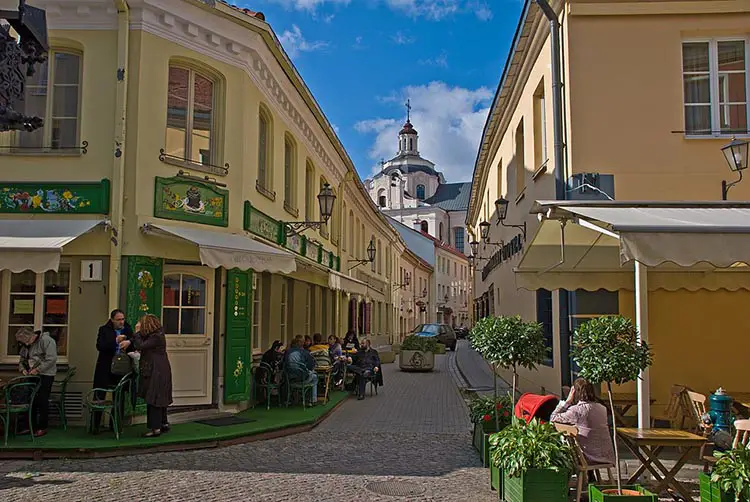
363, 58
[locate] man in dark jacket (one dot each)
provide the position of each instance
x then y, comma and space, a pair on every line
304, 366
108, 347
366, 366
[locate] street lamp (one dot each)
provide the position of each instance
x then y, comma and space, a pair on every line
474, 248
501, 207
471, 261
326, 198
370, 256
17, 60
484, 231
405, 284
735, 153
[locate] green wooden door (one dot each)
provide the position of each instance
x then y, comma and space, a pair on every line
238, 343
144, 290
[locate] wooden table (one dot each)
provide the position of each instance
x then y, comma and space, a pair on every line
646, 444
325, 372
741, 402
622, 402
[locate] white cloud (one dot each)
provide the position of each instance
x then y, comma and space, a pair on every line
430, 9
358, 43
401, 39
449, 120
308, 5
440, 61
294, 43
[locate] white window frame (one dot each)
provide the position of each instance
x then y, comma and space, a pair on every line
5, 281
308, 310
188, 146
284, 310
256, 323
713, 71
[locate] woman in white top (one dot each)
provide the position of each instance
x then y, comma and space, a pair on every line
582, 410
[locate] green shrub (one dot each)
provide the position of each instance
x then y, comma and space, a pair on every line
732, 471
521, 447
482, 407
421, 343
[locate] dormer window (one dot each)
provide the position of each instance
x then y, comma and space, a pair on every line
420, 192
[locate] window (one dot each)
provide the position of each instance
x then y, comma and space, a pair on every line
324, 227
520, 160
38, 301
423, 227
714, 76
380, 257
420, 192
309, 187
544, 317
440, 231
190, 116
61, 83
343, 228
284, 310
290, 192
458, 238
255, 335
382, 201
388, 262
377, 253
540, 127
411, 144
351, 233
308, 309
499, 180
184, 305
265, 149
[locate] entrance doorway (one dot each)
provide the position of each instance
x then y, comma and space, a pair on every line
187, 316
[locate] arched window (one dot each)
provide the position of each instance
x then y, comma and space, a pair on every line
343, 227
411, 145
381, 198
440, 231
423, 227
324, 227
352, 232
420, 192
265, 149
380, 257
290, 154
190, 114
309, 187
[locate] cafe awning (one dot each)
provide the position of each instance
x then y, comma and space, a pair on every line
341, 282
218, 249
36, 244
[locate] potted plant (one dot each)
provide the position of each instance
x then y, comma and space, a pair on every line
535, 460
418, 353
509, 342
607, 349
730, 479
486, 413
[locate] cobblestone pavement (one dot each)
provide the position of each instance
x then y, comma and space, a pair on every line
414, 436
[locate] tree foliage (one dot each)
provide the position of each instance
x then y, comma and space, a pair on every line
509, 342
521, 447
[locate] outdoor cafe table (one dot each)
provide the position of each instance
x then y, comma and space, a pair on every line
646, 444
622, 403
325, 372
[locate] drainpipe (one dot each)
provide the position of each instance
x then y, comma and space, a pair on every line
559, 156
118, 163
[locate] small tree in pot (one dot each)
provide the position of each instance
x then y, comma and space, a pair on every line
509, 342
606, 350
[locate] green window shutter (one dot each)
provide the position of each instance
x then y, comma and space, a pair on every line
144, 290
237, 343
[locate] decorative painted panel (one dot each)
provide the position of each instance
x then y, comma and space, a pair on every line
295, 243
259, 223
54, 197
312, 251
144, 287
237, 347
184, 199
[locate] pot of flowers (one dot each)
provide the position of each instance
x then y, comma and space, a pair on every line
488, 416
729, 477
608, 349
418, 353
535, 460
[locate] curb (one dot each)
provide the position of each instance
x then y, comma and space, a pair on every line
37, 455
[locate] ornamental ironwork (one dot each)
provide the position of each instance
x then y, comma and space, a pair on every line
18, 57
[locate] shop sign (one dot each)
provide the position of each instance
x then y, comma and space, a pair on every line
295, 243
178, 198
262, 225
327, 259
504, 253
54, 198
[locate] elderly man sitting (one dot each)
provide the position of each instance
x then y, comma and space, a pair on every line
365, 365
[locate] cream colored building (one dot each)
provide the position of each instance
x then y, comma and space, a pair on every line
651, 92
180, 148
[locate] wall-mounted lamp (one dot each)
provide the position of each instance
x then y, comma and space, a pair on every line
501, 206
370, 256
736, 155
326, 198
405, 284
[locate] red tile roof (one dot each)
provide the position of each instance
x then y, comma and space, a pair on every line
247, 12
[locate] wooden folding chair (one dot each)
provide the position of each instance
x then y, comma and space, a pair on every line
674, 413
581, 464
741, 437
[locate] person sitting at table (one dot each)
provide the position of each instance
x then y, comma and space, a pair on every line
582, 409
338, 358
273, 358
319, 352
305, 370
350, 341
307, 343
366, 363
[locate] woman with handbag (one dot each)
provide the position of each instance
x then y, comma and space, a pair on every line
155, 383
112, 363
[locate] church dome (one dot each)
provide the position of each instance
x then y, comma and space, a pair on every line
408, 129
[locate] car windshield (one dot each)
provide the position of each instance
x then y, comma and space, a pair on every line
427, 328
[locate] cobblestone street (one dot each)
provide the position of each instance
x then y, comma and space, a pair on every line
414, 436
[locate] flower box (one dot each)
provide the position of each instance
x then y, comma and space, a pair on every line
496, 478
596, 494
536, 485
416, 360
712, 492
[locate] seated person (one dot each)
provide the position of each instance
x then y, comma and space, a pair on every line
350, 341
366, 363
304, 363
319, 352
307, 343
582, 409
338, 358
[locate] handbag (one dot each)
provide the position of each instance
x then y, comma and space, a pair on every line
121, 364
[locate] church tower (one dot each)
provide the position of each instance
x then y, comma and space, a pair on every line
407, 137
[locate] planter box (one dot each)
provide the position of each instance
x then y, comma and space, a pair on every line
712, 492
496, 478
441, 349
596, 495
536, 485
416, 360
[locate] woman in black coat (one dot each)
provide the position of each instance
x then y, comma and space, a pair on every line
155, 384
107, 345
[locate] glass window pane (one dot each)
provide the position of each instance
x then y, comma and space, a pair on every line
193, 292
22, 310
65, 101
67, 68
732, 55
203, 104
171, 321
698, 119
733, 118
171, 291
64, 133
60, 333
24, 282
697, 89
56, 309
177, 104
262, 148
287, 171
57, 282
695, 56
193, 322
732, 88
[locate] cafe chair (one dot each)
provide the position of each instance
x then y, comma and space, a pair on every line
741, 437
295, 385
582, 467
676, 411
57, 396
264, 378
111, 406
19, 397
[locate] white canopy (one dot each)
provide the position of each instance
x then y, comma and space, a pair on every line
341, 282
230, 251
36, 245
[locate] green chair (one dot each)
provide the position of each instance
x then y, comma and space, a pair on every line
267, 382
295, 383
57, 396
112, 406
19, 398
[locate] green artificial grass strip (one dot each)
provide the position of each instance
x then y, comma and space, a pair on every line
76, 438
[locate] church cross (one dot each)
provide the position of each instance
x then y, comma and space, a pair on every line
408, 110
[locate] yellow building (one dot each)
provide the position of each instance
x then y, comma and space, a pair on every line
180, 147
412, 292
650, 91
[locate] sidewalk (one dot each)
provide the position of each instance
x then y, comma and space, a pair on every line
476, 372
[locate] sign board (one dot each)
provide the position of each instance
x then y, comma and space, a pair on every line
91, 270
190, 200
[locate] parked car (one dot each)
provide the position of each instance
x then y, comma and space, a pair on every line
443, 332
462, 332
